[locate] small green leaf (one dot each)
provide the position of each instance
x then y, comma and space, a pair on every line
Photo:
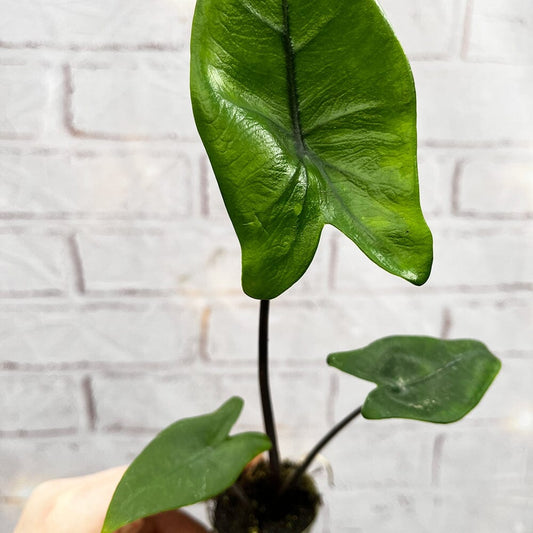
421, 378
192, 460
307, 110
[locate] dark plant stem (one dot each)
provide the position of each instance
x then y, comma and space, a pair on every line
266, 402
298, 472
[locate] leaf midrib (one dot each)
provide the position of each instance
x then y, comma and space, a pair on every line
433, 373
294, 107
302, 150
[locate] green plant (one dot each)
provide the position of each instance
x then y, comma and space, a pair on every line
307, 111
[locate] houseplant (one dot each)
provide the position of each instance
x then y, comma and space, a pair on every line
307, 111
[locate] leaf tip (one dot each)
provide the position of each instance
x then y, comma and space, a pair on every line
419, 276
334, 359
234, 402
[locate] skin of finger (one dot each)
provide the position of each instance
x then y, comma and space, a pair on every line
59, 505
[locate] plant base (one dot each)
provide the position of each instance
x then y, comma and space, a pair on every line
252, 505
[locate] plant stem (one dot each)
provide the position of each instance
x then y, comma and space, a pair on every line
298, 472
268, 414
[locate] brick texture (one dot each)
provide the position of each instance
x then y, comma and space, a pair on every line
501, 31
120, 301
425, 29
179, 396
32, 264
100, 333
26, 462
34, 403
124, 185
109, 24
478, 178
457, 103
156, 261
503, 325
23, 93
138, 102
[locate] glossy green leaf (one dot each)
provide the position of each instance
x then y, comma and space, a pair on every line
190, 461
307, 111
421, 377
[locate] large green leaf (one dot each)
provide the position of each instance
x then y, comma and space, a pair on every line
190, 461
421, 377
307, 111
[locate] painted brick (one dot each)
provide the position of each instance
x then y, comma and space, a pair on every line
23, 93
508, 397
143, 100
480, 511
495, 187
382, 511
480, 256
502, 325
111, 24
234, 316
469, 103
196, 257
32, 402
382, 315
108, 334
9, 513
501, 30
465, 463
465, 255
149, 402
61, 185
381, 454
305, 332
424, 28
32, 263
435, 179
525, 423
486, 509
25, 463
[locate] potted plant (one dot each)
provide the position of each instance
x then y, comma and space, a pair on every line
307, 111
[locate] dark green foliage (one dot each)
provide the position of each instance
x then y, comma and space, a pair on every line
307, 111
421, 377
190, 461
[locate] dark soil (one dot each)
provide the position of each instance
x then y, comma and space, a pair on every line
253, 505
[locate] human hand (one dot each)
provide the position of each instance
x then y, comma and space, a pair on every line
79, 505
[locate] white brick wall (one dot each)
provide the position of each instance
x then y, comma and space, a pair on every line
120, 303
138, 100
32, 264
473, 103
93, 185
35, 403
511, 176
23, 93
101, 23
103, 333
425, 29
501, 31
